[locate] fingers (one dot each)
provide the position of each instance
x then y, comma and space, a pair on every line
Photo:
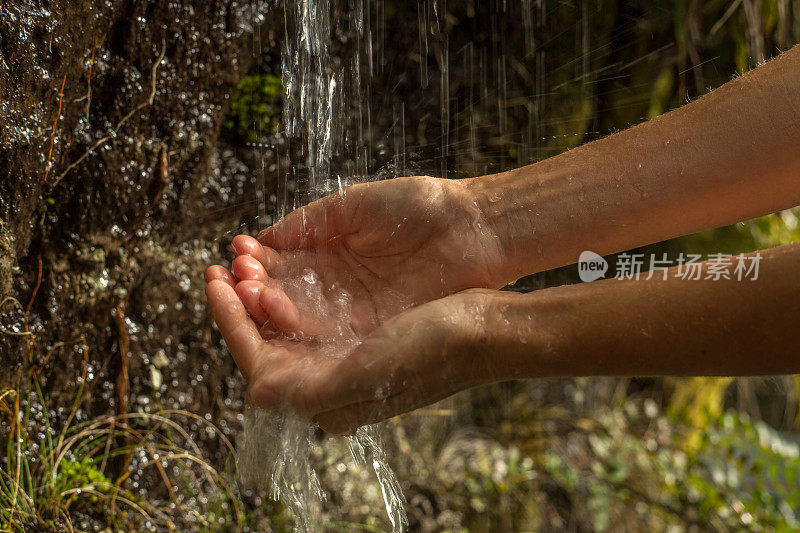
249, 291
246, 267
253, 261
284, 314
217, 272
313, 224
266, 302
239, 331
244, 245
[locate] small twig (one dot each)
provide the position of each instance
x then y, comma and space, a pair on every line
36, 288
115, 131
123, 379
55, 125
88, 489
163, 171
721, 22
3, 330
168, 484
3, 405
163, 179
124, 346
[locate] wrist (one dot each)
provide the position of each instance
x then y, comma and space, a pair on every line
464, 324
506, 208
520, 336
501, 335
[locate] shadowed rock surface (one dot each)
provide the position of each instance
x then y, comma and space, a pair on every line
117, 185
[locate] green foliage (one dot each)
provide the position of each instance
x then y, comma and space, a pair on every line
255, 107
751, 472
757, 234
661, 93
742, 474
497, 473
82, 472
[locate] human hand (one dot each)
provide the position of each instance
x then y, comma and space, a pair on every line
416, 358
330, 273
389, 245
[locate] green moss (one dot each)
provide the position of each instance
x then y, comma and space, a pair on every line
255, 108
83, 472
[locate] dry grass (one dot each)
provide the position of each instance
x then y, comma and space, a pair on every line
65, 475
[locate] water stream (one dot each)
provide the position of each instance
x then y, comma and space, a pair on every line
430, 103
275, 451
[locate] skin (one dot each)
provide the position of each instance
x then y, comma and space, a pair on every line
391, 245
406, 250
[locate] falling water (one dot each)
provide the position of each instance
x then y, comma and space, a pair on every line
453, 105
275, 451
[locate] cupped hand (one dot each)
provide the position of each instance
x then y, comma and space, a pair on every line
390, 245
301, 299
414, 359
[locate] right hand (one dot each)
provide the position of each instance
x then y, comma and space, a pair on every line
390, 244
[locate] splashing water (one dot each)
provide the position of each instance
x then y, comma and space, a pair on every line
276, 448
274, 456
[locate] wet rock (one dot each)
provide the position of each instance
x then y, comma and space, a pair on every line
110, 119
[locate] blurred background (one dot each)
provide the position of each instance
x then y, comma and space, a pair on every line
136, 138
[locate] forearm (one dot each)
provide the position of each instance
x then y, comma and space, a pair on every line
733, 154
650, 327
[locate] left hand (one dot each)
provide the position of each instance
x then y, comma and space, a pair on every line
416, 358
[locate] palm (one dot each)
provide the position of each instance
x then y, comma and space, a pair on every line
392, 245
398, 367
329, 274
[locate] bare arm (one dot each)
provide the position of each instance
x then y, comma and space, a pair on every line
640, 327
733, 154
651, 327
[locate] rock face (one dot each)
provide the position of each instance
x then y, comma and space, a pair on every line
110, 177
